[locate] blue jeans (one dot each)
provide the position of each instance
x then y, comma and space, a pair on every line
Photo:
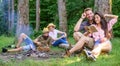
60, 41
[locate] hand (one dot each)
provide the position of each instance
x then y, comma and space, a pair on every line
15, 47
86, 33
103, 40
38, 43
87, 28
83, 15
56, 39
90, 31
105, 15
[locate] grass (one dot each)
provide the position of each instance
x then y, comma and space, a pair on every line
104, 60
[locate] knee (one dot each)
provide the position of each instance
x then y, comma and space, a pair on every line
23, 35
75, 34
110, 47
19, 49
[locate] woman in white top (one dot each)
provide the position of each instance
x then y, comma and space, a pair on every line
54, 34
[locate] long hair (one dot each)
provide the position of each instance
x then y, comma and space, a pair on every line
103, 23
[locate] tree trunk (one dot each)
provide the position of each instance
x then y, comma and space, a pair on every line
37, 15
23, 17
12, 16
103, 6
62, 15
9, 17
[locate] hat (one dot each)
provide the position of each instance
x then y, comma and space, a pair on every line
45, 30
51, 24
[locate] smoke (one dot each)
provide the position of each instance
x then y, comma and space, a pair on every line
9, 20
0, 1
22, 28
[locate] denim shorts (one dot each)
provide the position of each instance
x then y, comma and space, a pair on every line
97, 42
27, 47
29, 44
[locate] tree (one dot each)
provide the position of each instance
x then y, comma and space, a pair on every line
62, 15
23, 17
103, 6
37, 15
10, 16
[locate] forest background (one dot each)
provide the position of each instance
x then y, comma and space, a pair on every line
49, 14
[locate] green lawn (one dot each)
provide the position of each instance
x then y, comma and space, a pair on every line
104, 60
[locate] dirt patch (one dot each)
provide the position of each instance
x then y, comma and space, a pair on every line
35, 55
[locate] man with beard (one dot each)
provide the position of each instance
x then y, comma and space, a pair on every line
42, 43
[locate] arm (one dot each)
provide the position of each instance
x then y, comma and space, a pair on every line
64, 34
50, 41
112, 21
77, 26
87, 33
37, 42
111, 16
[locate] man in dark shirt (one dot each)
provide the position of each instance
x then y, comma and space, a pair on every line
80, 34
79, 28
82, 39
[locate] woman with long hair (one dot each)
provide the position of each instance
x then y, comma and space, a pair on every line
102, 36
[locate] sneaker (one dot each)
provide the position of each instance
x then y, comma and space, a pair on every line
89, 55
4, 50
92, 57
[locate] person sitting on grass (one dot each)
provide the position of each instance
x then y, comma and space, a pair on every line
102, 37
54, 34
31, 45
81, 38
80, 31
79, 28
44, 41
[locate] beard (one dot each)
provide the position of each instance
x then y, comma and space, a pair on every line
45, 37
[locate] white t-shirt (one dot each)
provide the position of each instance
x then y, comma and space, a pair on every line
54, 33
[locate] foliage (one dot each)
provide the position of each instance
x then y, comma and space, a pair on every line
115, 11
4, 40
49, 13
36, 34
74, 10
3, 18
